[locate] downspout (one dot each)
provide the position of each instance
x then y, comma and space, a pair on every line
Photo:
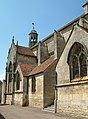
55, 101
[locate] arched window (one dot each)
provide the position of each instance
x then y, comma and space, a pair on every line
77, 61
17, 81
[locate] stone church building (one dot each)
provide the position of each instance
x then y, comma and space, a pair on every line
53, 71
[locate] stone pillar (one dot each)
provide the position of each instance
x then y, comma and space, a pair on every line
59, 44
55, 44
12, 84
3, 92
39, 53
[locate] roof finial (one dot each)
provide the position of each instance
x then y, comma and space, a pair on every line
13, 39
33, 25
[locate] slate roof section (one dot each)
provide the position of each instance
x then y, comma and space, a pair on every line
25, 51
42, 67
27, 68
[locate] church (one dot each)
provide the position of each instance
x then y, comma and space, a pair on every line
51, 73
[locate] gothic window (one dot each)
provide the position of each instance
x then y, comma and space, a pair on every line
17, 81
33, 89
77, 61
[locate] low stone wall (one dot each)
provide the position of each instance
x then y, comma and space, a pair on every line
18, 99
73, 99
8, 99
36, 98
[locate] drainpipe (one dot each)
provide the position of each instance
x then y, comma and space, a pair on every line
55, 101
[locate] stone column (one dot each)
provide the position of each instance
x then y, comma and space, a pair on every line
59, 44
39, 53
55, 44
12, 84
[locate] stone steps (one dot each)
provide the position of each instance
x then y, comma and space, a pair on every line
51, 109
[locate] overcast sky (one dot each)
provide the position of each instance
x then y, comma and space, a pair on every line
16, 17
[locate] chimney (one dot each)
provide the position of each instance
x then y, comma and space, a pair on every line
85, 7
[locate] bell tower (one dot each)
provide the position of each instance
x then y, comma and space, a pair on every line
33, 37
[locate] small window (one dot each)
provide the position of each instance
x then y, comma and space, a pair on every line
33, 84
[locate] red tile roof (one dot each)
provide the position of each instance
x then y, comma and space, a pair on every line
25, 51
42, 67
27, 68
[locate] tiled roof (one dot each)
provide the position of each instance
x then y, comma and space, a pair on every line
25, 51
42, 67
27, 68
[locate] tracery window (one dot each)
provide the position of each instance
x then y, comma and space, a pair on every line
77, 61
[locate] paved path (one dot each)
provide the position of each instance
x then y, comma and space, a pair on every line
17, 112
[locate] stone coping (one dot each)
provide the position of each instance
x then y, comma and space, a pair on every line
14, 93
71, 84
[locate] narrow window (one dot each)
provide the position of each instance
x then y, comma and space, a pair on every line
17, 81
33, 84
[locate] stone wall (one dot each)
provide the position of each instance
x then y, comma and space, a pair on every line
73, 99
18, 98
25, 91
49, 85
36, 98
9, 99
3, 92
42, 53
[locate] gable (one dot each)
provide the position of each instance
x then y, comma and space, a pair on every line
78, 35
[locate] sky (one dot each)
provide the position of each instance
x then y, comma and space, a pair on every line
17, 16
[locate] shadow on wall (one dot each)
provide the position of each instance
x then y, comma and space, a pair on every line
1, 116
